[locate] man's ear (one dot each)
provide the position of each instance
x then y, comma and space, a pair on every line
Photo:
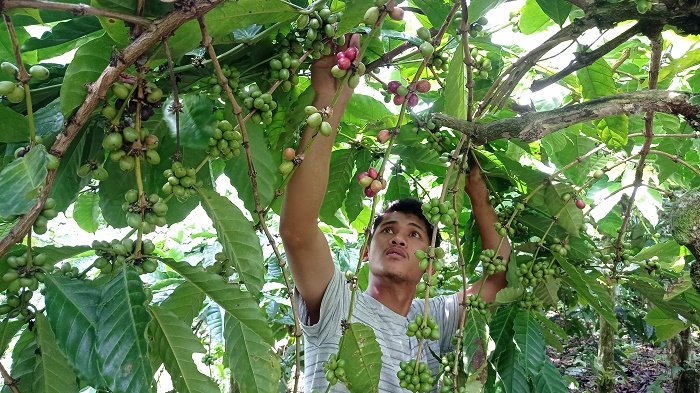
365, 256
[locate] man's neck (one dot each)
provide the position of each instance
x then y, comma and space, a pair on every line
395, 296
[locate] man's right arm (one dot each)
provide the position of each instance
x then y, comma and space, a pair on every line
305, 245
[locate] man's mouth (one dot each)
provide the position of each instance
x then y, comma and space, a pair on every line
396, 252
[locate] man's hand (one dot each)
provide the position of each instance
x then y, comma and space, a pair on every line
324, 84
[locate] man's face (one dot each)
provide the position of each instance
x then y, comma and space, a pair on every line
394, 242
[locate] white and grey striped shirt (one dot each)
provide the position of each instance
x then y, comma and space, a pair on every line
322, 338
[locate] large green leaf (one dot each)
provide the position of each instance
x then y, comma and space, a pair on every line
613, 131
67, 184
185, 301
197, 121
254, 364
364, 111
558, 10
681, 63
86, 211
398, 188
24, 358
510, 371
15, 127
353, 15
341, 169
475, 336
549, 380
63, 32
265, 160
8, 330
586, 285
51, 373
21, 182
665, 326
436, 11
176, 343
651, 289
363, 357
232, 15
87, 65
122, 320
532, 18
528, 337
236, 234
422, 159
596, 80
501, 328
455, 93
71, 308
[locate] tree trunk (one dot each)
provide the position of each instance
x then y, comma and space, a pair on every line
606, 354
685, 376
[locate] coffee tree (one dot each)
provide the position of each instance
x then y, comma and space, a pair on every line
162, 99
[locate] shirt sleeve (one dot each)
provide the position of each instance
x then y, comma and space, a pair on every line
334, 307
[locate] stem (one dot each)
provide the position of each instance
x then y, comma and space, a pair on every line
9, 381
23, 77
75, 9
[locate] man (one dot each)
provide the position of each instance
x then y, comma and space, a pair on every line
388, 305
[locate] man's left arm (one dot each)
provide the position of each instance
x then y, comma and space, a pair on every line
485, 216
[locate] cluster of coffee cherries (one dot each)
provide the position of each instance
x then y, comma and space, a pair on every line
153, 212
474, 302
415, 377
446, 363
287, 164
440, 60
149, 97
314, 31
127, 145
41, 223
94, 169
505, 212
426, 47
18, 303
221, 266
371, 181
477, 27
401, 93
503, 229
225, 142
284, 69
262, 103
347, 64
439, 212
423, 328
560, 247
23, 273
334, 369
530, 301
651, 264
372, 14
492, 262
481, 64
436, 253
116, 253
580, 203
531, 274
429, 283
315, 120
68, 270
14, 92
182, 181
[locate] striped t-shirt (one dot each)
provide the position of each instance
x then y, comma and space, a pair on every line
322, 338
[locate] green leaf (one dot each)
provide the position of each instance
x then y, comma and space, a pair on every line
509, 370
24, 359
176, 343
666, 251
364, 111
8, 330
475, 336
51, 372
266, 163
363, 357
87, 65
501, 328
436, 11
509, 295
596, 80
398, 188
558, 10
231, 15
122, 320
236, 234
530, 341
71, 308
665, 326
569, 216
86, 211
197, 121
477, 9
688, 60
455, 93
549, 380
254, 364
67, 184
15, 127
341, 169
21, 181
63, 32
587, 286
613, 131
532, 18
650, 289
353, 15
422, 160
185, 301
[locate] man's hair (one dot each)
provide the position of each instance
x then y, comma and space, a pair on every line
406, 206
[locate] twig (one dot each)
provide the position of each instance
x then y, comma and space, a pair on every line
75, 9
9, 381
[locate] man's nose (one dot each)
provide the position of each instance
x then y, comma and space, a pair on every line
398, 239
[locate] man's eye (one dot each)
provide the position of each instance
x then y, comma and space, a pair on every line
387, 230
415, 234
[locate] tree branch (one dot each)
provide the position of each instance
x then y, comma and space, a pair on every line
534, 126
75, 9
585, 59
160, 28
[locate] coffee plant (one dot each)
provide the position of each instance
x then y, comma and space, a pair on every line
131, 114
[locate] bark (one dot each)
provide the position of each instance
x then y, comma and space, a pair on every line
606, 354
686, 379
535, 125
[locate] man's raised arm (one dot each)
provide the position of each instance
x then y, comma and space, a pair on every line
306, 247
